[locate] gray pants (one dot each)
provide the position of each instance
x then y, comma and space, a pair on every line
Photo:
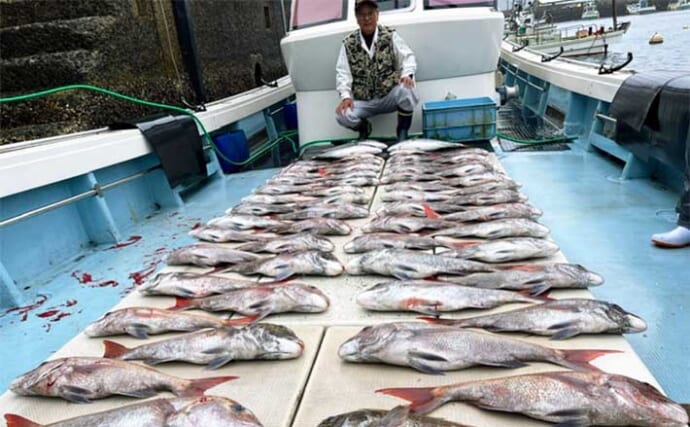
399, 97
683, 207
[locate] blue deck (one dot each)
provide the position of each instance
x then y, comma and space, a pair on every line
598, 222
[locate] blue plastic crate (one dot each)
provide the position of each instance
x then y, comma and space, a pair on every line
470, 119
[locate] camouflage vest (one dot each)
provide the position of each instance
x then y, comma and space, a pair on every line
375, 77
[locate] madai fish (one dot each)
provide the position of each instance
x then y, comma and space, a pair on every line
435, 349
432, 297
215, 347
405, 224
504, 250
565, 398
208, 255
211, 233
82, 379
493, 212
534, 278
397, 417
406, 264
374, 241
260, 301
514, 227
287, 265
292, 243
322, 226
559, 319
175, 412
423, 145
243, 222
140, 322
192, 285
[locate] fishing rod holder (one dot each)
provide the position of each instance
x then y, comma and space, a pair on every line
545, 58
604, 69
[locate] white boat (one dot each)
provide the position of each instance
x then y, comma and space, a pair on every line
641, 8
579, 40
591, 11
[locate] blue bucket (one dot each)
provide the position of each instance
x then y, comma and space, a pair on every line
234, 146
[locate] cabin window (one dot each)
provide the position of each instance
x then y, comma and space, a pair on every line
306, 13
441, 4
385, 5
267, 17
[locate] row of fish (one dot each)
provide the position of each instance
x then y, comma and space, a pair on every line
209, 411
422, 200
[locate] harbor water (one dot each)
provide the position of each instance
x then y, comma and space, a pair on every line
672, 54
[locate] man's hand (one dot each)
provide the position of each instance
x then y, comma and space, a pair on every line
344, 105
407, 82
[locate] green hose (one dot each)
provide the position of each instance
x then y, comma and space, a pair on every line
283, 136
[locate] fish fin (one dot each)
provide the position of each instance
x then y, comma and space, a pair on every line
284, 273
199, 386
182, 304
396, 417
75, 394
250, 246
402, 272
13, 420
219, 361
543, 296
510, 364
139, 394
242, 320
154, 362
579, 359
430, 213
523, 267
565, 330
114, 350
574, 418
422, 399
418, 360
138, 330
439, 321
536, 290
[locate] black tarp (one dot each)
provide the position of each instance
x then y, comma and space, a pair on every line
177, 143
652, 111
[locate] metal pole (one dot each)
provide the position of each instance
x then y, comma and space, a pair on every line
184, 23
96, 191
282, 11
613, 14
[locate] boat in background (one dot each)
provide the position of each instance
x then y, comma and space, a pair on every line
591, 11
641, 8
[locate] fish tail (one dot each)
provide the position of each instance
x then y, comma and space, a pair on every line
242, 320
579, 359
114, 350
422, 399
198, 387
13, 420
430, 213
182, 304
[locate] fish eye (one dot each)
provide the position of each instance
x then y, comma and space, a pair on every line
237, 407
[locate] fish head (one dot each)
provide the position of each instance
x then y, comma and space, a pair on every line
646, 402
377, 296
364, 346
278, 342
322, 244
308, 298
356, 265
325, 262
628, 322
39, 380
154, 282
581, 274
339, 227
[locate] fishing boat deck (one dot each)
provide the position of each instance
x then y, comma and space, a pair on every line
574, 188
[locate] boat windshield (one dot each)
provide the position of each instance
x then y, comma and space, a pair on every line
440, 4
307, 13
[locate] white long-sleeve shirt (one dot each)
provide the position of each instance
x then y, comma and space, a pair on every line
407, 64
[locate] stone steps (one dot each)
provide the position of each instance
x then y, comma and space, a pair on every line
47, 70
23, 12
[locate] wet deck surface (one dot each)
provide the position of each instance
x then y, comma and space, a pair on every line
600, 223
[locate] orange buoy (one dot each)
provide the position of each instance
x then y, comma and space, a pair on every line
656, 38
